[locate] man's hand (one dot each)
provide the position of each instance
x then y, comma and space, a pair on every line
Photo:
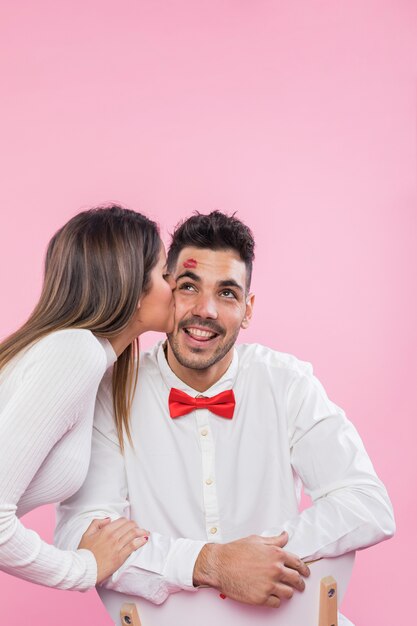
255, 570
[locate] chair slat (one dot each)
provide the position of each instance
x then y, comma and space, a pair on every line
129, 615
328, 602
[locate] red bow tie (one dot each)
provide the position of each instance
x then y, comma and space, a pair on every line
181, 403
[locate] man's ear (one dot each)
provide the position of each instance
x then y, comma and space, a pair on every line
250, 301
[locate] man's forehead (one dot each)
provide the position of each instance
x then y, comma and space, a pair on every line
201, 260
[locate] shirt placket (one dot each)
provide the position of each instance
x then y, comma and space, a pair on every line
208, 457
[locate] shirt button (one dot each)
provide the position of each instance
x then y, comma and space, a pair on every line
204, 432
213, 530
209, 481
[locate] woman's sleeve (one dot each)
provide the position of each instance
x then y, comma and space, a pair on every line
60, 373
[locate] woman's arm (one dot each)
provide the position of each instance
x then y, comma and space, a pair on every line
59, 374
165, 565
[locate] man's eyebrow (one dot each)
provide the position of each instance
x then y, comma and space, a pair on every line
189, 274
230, 282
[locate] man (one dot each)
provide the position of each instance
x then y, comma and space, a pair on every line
222, 437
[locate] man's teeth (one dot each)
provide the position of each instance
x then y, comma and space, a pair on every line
196, 332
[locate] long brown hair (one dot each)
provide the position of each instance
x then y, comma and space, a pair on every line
97, 267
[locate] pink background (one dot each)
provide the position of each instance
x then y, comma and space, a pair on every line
301, 116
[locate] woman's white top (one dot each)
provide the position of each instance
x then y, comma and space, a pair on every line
47, 398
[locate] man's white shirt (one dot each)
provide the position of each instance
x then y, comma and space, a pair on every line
201, 478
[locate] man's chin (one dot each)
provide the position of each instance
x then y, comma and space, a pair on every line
193, 357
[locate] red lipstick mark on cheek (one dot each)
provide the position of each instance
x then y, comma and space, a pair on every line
190, 263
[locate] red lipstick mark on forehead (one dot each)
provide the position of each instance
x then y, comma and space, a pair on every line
190, 263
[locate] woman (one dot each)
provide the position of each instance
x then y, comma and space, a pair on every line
104, 285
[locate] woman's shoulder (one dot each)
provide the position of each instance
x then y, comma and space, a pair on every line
70, 345
70, 338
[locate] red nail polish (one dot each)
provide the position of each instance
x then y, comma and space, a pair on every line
146, 538
223, 597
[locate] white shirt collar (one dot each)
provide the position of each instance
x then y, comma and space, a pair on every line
111, 356
171, 380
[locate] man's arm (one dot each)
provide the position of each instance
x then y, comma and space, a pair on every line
163, 566
351, 508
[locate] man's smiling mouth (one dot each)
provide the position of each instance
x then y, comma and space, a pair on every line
200, 334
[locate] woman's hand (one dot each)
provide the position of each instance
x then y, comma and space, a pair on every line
111, 543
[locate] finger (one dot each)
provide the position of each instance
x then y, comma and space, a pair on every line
273, 602
115, 524
96, 525
123, 529
283, 592
292, 561
118, 527
137, 543
101, 523
130, 526
292, 578
131, 534
279, 541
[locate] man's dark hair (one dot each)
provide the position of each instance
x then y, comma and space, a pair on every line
216, 231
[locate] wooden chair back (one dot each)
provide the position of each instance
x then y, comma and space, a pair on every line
316, 606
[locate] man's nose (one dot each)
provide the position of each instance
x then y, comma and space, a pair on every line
205, 306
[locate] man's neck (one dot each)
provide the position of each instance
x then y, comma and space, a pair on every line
200, 380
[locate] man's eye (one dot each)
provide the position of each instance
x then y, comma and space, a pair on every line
227, 293
187, 287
